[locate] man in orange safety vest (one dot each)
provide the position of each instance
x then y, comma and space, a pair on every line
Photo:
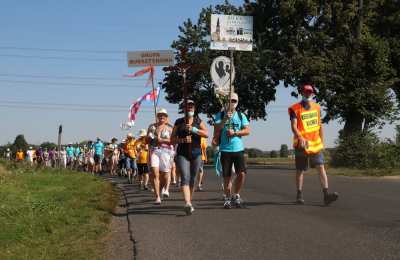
305, 117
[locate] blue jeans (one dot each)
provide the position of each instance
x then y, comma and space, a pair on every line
188, 169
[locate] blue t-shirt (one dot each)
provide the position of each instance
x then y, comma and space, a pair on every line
98, 148
77, 151
232, 144
70, 151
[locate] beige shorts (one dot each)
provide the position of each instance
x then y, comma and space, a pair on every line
162, 158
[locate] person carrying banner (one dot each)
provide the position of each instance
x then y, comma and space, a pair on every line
230, 126
305, 117
187, 133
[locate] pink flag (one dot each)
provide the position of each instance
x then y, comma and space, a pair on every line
150, 96
149, 69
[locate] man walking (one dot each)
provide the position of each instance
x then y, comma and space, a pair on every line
305, 118
230, 127
98, 155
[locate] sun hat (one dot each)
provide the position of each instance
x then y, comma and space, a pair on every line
162, 111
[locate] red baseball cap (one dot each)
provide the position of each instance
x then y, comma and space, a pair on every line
308, 88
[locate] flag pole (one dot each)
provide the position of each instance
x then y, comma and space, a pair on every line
154, 100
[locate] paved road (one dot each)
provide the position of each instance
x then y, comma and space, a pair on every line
363, 224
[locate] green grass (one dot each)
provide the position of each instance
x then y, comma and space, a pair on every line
53, 214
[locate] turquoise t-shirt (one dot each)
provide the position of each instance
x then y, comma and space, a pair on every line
98, 148
77, 151
70, 151
232, 144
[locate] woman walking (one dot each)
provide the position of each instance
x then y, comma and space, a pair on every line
161, 154
187, 133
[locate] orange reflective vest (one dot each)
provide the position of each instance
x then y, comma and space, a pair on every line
309, 125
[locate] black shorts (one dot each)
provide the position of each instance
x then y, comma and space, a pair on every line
97, 159
232, 158
142, 168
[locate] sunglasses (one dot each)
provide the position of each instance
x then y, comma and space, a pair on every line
233, 101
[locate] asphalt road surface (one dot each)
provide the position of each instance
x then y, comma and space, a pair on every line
363, 224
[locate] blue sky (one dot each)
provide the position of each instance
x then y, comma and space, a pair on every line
73, 53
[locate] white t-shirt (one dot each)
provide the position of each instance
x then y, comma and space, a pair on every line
30, 154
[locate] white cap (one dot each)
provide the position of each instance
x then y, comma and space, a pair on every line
162, 111
234, 96
142, 132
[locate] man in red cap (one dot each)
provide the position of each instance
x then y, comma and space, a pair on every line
305, 117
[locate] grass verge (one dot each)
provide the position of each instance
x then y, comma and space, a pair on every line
52, 214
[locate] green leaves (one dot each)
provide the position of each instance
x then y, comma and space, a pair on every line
254, 83
338, 47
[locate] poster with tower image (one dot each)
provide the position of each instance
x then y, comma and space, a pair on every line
231, 32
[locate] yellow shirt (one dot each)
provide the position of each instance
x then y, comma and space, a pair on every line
143, 151
130, 148
20, 156
203, 145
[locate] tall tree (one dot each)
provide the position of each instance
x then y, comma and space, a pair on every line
253, 82
336, 46
284, 151
20, 143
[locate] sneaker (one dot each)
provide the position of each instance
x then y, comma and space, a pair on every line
158, 201
188, 209
165, 193
300, 201
236, 200
200, 188
146, 187
227, 203
330, 197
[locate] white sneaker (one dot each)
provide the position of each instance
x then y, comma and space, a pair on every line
237, 201
158, 201
188, 209
165, 193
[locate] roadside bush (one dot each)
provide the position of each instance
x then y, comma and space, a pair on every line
274, 154
365, 151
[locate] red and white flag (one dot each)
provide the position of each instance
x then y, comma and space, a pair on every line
150, 96
148, 69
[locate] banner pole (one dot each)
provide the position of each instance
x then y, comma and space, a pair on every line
154, 100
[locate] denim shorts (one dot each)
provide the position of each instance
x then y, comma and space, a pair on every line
304, 160
130, 163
